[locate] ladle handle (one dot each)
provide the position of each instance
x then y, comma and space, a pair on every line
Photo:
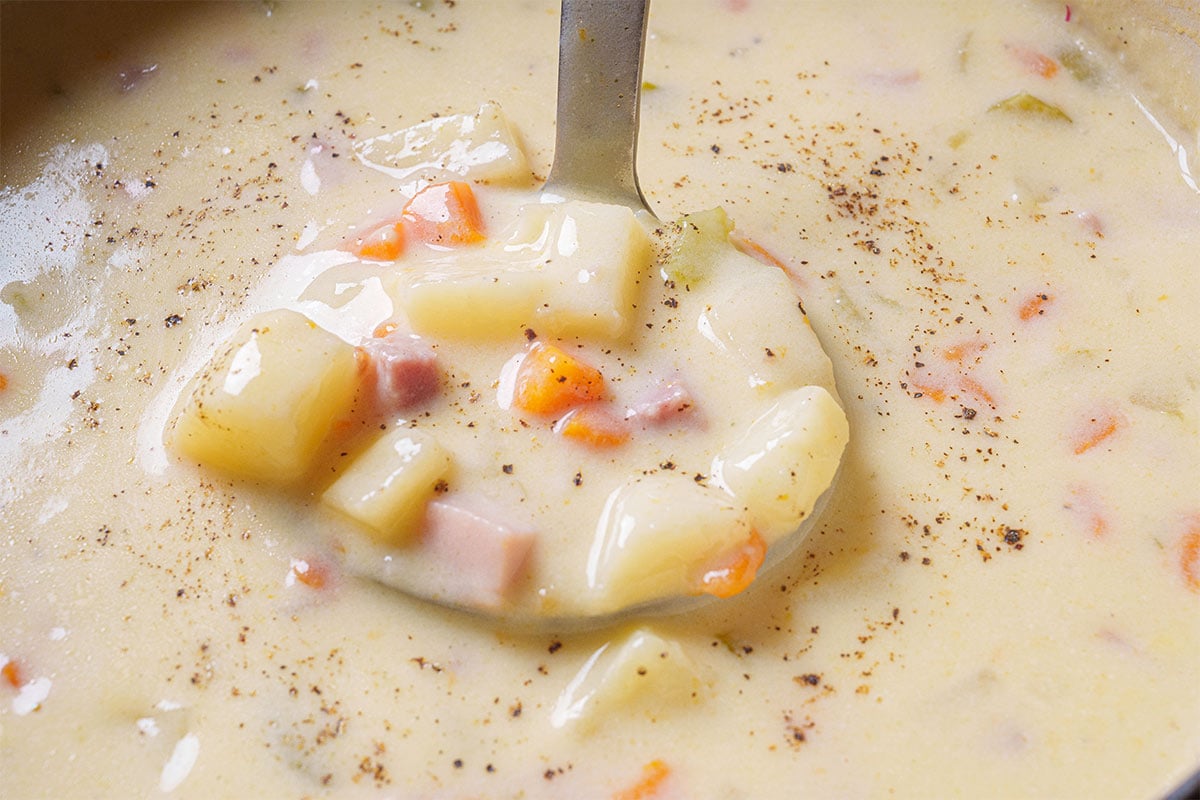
600, 49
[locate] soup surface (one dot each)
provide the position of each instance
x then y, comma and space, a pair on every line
994, 238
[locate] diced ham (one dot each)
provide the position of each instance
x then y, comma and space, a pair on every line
479, 550
401, 370
667, 403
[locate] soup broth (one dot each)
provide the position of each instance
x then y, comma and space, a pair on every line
993, 231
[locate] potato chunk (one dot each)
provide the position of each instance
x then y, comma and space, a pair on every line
473, 302
387, 487
597, 253
262, 406
643, 671
658, 536
785, 460
566, 269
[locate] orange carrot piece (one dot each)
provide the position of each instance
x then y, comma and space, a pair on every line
3, 381
1189, 556
927, 388
384, 243
444, 214
593, 425
1035, 62
312, 573
1034, 306
550, 381
1086, 503
975, 388
384, 329
653, 775
735, 570
1094, 431
958, 353
12, 674
757, 251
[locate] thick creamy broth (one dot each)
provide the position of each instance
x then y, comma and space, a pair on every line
1002, 600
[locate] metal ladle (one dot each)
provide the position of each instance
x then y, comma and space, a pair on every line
600, 47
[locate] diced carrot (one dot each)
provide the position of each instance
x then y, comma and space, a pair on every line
735, 570
594, 425
653, 775
1086, 504
12, 674
1035, 62
550, 381
1095, 430
313, 573
383, 329
444, 214
757, 251
3, 381
1189, 556
977, 390
958, 353
926, 388
1035, 306
384, 243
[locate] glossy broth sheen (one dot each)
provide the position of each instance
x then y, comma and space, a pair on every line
1003, 599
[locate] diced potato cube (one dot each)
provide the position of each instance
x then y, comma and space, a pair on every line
785, 460
474, 303
777, 357
596, 255
656, 536
387, 487
644, 671
565, 269
480, 146
262, 406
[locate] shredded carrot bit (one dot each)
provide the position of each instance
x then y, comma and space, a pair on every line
653, 775
385, 243
3, 381
757, 251
1189, 556
975, 388
735, 570
1034, 307
593, 425
445, 214
550, 381
935, 393
384, 329
1035, 62
311, 573
12, 674
1094, 431
959, 353
1086, 503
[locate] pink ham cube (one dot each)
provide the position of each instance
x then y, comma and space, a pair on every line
478, 551
669, 402
401, 371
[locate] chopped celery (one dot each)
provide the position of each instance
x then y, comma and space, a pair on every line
703, 238
1025, 103
1080, 64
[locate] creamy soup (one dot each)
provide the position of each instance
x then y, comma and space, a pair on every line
992, 228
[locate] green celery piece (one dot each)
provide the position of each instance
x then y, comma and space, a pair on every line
1080, 64
703, 238
1025, 103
